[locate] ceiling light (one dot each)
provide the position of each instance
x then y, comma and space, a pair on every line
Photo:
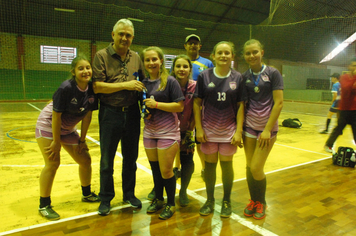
65, 10
190, 29
135, 19
339, 48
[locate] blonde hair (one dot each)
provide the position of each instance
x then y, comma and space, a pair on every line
231, 44
163, 73
252, 41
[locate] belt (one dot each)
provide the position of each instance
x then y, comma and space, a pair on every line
122, 109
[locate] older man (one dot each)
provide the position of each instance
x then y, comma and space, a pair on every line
119, 115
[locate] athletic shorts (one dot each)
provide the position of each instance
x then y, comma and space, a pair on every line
251, 133
68, 139
225, 149
150, 143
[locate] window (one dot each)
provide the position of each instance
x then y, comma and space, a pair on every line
57, 55
169, 60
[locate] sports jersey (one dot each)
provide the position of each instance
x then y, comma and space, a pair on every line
186, 117
260, 104
336, 89
348, 92
162, 124
199, 65
73, 102
219, 103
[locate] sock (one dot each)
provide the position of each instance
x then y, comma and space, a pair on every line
327, 124
227, 178
186, 171
86, 190
170, 186
157, 180
250, 183
210, 179
45, 201
261, 190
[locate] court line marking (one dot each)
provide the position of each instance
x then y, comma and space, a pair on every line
193, 194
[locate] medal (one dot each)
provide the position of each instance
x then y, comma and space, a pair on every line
256, 81
256, 89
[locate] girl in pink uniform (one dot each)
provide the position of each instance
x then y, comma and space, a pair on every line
264, 86
73, 102
161, 134
220, 93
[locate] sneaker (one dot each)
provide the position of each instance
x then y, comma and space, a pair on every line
202, 174
328, 149
92, 197
323, 132
207, 208
133, 201
155, 206
177, 172
225, 209
152, 195
104, 208
167, 212
250, 209
48, 213
183, 199
260, 211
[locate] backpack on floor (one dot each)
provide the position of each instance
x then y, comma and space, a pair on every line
345, 156
292, 123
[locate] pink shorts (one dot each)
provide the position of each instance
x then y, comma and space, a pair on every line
251, 133
69, 139
150, 143
225, 149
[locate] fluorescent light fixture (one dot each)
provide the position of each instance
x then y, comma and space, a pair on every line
135, 19
190, 29
339, 48
65, 10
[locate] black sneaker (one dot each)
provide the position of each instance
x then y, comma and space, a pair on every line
250, 209
155, 206
133, 201
225, 209
323, 132
167, 212
260, 211
207, 208
48, 213
177, 172
92, 197
152, 195
183, 198
104, 208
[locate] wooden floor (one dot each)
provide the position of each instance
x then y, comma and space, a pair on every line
306, 194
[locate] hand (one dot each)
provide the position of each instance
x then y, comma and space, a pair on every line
264, 139
150, 103
82, 146
53, 150
237, 139
200, 135
135, 85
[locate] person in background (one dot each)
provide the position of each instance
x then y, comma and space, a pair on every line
347, 106
335, 101
264, 86
220, 92
161, 135
73, 102
115, 81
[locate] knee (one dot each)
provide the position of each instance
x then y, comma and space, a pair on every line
52, 166
167, 173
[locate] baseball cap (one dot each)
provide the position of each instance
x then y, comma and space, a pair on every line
192, 36
336, 75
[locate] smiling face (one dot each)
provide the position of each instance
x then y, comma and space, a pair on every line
82, 72
253, 56
152, 63
182, 69
223, 55
192, 46
122, 36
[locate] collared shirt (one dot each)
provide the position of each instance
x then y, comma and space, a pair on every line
108, 67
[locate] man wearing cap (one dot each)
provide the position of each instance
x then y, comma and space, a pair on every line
192, 45
335, 102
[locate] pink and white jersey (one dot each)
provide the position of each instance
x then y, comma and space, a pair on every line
162, 124
72, 102
260, 104
219, 102
186, 117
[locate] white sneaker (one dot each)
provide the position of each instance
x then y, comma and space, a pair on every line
328, 149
